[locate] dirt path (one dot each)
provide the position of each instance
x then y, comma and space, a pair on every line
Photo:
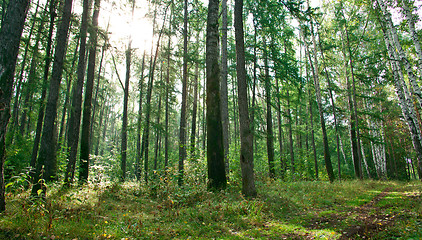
369, 219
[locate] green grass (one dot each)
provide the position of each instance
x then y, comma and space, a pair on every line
283, 210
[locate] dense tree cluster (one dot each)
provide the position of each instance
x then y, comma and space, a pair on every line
234, 90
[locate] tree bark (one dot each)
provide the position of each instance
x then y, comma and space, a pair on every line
86, 118
10, 36
47, 153
182, 130
270, 135
215, 149
246, 135
34, 154
76, 110
327, 158
224, 90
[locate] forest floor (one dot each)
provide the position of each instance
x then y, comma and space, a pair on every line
292, 210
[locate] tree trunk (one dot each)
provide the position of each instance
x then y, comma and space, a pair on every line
224, 90
33, 163
182, 130
194, 112
289, 125
215, 149
18, 95
76, 110
139, 124
403, 94
270, 135
31, 77
166, 136
47, 153
67, 97
86, 119
246, 135
333, 107
145, 136
327, 158
280, 131
10, 36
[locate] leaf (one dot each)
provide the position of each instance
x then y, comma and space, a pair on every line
8, 185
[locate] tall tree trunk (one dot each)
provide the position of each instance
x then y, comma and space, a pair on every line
18, 95
10, 36
32, 76
327, 158
166, 136
333, 107
67, 97
47, 153
34, 154
280, 130
246, 135
194, 112
411, 19
270, 135
182, 130
86, 118
139, 124
224, 90
215, 149
76, 110
145, 136
123, 150
289, 125
403, 94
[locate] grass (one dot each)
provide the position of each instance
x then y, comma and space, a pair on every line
283, 210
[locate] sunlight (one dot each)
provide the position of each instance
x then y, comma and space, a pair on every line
121, 26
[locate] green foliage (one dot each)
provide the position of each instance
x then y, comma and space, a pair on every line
296, 210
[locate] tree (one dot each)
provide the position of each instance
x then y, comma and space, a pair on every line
47, 153
86, 119
10, 36
224, 90
215, 149
76, 110
246, 137
182, 130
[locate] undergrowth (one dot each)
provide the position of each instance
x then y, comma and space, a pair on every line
162, 210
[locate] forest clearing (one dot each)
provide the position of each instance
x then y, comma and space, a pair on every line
210, 119
294, 210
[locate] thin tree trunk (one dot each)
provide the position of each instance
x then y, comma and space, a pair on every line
139, 124
246, 134
289, 125
327, 158
145, 137
270, 135
194, 113
166, 137
86, 119
76, 110
224, 90
333, 107
182, 130
34, 154
31, 77
280, 130
67, 98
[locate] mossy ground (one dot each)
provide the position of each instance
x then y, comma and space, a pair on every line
292, 210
